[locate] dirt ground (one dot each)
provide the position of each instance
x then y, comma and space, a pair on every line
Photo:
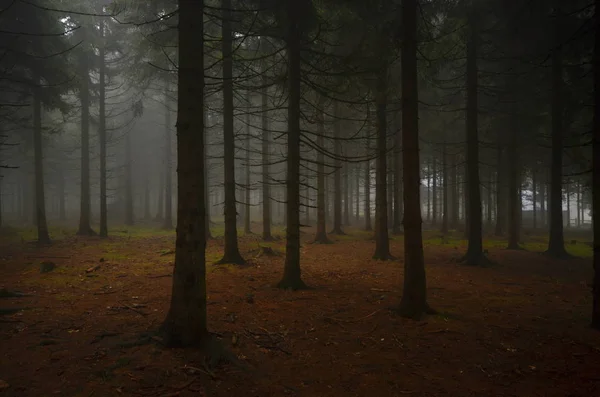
519, 328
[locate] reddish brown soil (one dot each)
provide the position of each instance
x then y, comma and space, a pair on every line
517, 329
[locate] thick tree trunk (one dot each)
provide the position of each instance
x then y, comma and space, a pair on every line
514, 197
62, 212
474, 254
454, 193
266, 187
434, 192
382, 241
292, 275
337, 175
85, 211
247, 228
346, 194
206, 167
568, 194
102, 135
168, 222
368, 226
596, 170
489, 200
556, 243
543, 198
398, 180
445, 186
128, 182
40, 201
414, 294
321, 236
185, 324
232, 254
161, 194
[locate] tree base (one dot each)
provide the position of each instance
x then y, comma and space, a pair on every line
414, 311
289, 284
232, 258
383, 256
515, 247
479, 260
337, 232
558, 254
322, 238
88, 231
44, 240
268, 238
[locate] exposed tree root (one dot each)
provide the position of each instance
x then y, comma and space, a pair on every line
476, 260
337, 232
232, 259
89, 232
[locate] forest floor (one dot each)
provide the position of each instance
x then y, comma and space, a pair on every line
518, 328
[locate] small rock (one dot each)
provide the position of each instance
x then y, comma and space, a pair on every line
47, 266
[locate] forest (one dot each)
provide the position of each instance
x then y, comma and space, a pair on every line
299, 197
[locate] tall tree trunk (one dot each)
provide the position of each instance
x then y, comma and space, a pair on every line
454, 193
147, 215
445, 185
62, 213
514, 198
398, 204
128, 181
346, 193
168, 222
596, 170
291, 273
434, 192
428, 193
321, 236
568, 194
85, 211
534, 197
489, 197
414, 294
247, 229
102, 135
266, 187
474, 254
368, 226
161, 194
543, 196
556, 243
40, 201
382, 241
337, 175
185, 324
232, 254
357, 200
206, 168
578, 205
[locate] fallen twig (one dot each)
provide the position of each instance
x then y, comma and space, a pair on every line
160, 276
354, 320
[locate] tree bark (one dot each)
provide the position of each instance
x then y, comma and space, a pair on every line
445, 185
556, 243
596, 170
321, 236
40, 200
368, 226
534, 197
337, 178
85, 211
454, 191
185, 324
247, 228
128, 182
414, 295
168, 222
474, 254
231, 251
102, 135
434, 192
382, 241
398, 180
514, 197
206, 168
291, 274
266, 187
